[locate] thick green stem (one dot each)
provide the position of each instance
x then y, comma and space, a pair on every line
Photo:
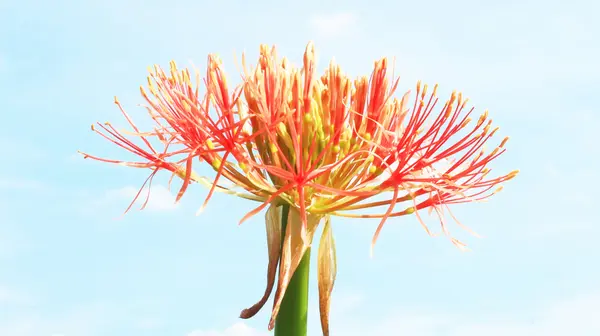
293, 315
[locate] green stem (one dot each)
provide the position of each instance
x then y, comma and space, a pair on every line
293, 315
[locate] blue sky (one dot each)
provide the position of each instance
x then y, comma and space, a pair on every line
70, 265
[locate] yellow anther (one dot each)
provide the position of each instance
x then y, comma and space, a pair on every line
181, 172
345, 146
186, 106
209, 144
453, 96
216, 163
150, 85
449, 110
273, 148
308, 118
320, 134
281, 127
481, 120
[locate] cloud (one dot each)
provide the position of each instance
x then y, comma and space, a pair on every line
9, 296
333, 25
19, 183
238, 329
85, 320
160, 199
575, 316
24, 152
149, 323
12, 241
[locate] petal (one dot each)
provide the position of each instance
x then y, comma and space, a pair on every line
294, 247
326, 269
273, 223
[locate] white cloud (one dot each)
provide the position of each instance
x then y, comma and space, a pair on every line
333, 25
89, 320
98, 318
6, 247
11, 240
19, 183
576, 316
238, 329
9, 296
161, 199
24, 152
149, 323
488, 56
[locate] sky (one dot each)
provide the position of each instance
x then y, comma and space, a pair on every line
72, 265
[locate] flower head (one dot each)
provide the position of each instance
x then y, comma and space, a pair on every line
323, 145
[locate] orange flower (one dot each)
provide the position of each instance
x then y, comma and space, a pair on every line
323, 145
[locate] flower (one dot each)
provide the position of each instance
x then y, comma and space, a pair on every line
323, 146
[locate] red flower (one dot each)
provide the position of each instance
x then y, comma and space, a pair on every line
322, 145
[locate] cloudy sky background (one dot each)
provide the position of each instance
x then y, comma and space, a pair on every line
70, 265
